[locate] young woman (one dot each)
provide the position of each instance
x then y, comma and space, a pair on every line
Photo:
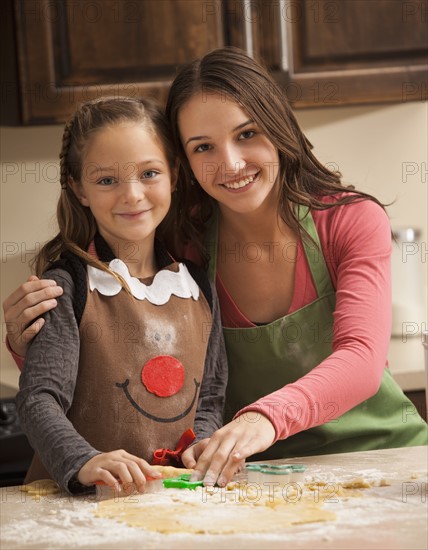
116, 379
302, 268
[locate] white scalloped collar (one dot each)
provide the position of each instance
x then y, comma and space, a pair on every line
165, 283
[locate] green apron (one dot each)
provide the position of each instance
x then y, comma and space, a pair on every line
263, 359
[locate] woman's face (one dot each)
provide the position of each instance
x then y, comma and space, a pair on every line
230, 156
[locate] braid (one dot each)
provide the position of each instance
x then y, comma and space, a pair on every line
66, 139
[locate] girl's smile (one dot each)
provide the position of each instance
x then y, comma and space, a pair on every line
133, 215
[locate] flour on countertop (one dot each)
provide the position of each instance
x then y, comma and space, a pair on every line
79, 528
73, 524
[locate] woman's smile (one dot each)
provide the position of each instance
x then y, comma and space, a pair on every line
242, 184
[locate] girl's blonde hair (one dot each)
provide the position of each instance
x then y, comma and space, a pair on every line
77, 225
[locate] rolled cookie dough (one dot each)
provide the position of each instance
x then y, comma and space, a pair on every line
181, 511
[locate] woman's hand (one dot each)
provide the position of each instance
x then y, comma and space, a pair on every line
223, 454
190, 456
117, 465
23, 306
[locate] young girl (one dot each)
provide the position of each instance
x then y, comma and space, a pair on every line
302, 268
116, 379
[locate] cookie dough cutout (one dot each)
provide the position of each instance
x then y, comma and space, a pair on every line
43, 487
171, 471
40, 488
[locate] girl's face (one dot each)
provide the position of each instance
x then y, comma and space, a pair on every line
126, 182
233, 161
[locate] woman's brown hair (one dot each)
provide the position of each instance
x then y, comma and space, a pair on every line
304, 180
77, 225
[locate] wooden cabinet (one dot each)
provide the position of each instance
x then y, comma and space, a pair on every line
340, 52
70, 51
419, 401
353, 51
56, 54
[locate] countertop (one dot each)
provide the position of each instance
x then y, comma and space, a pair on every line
384, 517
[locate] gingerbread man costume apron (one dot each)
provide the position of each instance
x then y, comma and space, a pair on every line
141, 362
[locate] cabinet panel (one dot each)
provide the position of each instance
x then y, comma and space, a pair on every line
337, 52
87, 49
358, 51
361, 30
119, 39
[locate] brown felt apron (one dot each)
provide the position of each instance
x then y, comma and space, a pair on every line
112, 407
265, 358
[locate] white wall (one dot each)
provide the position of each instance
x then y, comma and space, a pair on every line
380, 149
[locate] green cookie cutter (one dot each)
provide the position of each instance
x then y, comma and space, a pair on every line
181, 482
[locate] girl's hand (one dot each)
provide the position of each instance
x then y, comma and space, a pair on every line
117, 465
23, 306
229, 446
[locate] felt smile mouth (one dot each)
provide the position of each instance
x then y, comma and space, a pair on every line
124, 386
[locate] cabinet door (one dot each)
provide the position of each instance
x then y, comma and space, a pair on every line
336, 52
360, 51
75, 50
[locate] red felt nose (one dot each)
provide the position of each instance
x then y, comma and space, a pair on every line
163, 375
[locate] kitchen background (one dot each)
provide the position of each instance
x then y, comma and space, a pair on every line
355, 71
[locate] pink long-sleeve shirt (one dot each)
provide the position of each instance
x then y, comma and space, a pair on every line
356, 243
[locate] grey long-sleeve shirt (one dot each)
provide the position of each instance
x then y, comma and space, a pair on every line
48, 381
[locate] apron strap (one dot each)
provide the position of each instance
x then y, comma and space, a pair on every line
314, 253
